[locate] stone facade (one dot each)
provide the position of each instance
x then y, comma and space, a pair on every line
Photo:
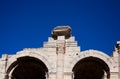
60, 58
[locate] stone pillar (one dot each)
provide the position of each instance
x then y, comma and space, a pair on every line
118, 48
4, 65
60, 57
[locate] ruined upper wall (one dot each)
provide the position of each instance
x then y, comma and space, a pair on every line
61, 31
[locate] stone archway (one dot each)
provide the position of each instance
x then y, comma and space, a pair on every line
27, 68
91, 68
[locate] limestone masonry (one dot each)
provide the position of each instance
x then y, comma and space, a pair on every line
60, 58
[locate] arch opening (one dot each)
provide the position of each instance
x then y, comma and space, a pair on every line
28, 68
91, 68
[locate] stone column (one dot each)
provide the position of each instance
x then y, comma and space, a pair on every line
60, 57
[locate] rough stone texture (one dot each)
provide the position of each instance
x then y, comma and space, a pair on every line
62, 59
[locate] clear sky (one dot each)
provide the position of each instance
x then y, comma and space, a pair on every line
28, 23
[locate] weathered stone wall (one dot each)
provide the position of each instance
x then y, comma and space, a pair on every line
60, 56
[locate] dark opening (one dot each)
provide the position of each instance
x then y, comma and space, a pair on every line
91, 68
29, 68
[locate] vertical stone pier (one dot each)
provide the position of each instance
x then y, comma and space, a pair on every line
118, 50
60, 34
60, 57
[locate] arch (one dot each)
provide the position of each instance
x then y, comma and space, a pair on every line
27, 67
91, 68
92, 53
35, 54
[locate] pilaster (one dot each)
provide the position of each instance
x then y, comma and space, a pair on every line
60, 57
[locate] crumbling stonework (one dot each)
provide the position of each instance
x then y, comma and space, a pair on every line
60, 58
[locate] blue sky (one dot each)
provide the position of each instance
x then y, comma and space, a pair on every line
28, 23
